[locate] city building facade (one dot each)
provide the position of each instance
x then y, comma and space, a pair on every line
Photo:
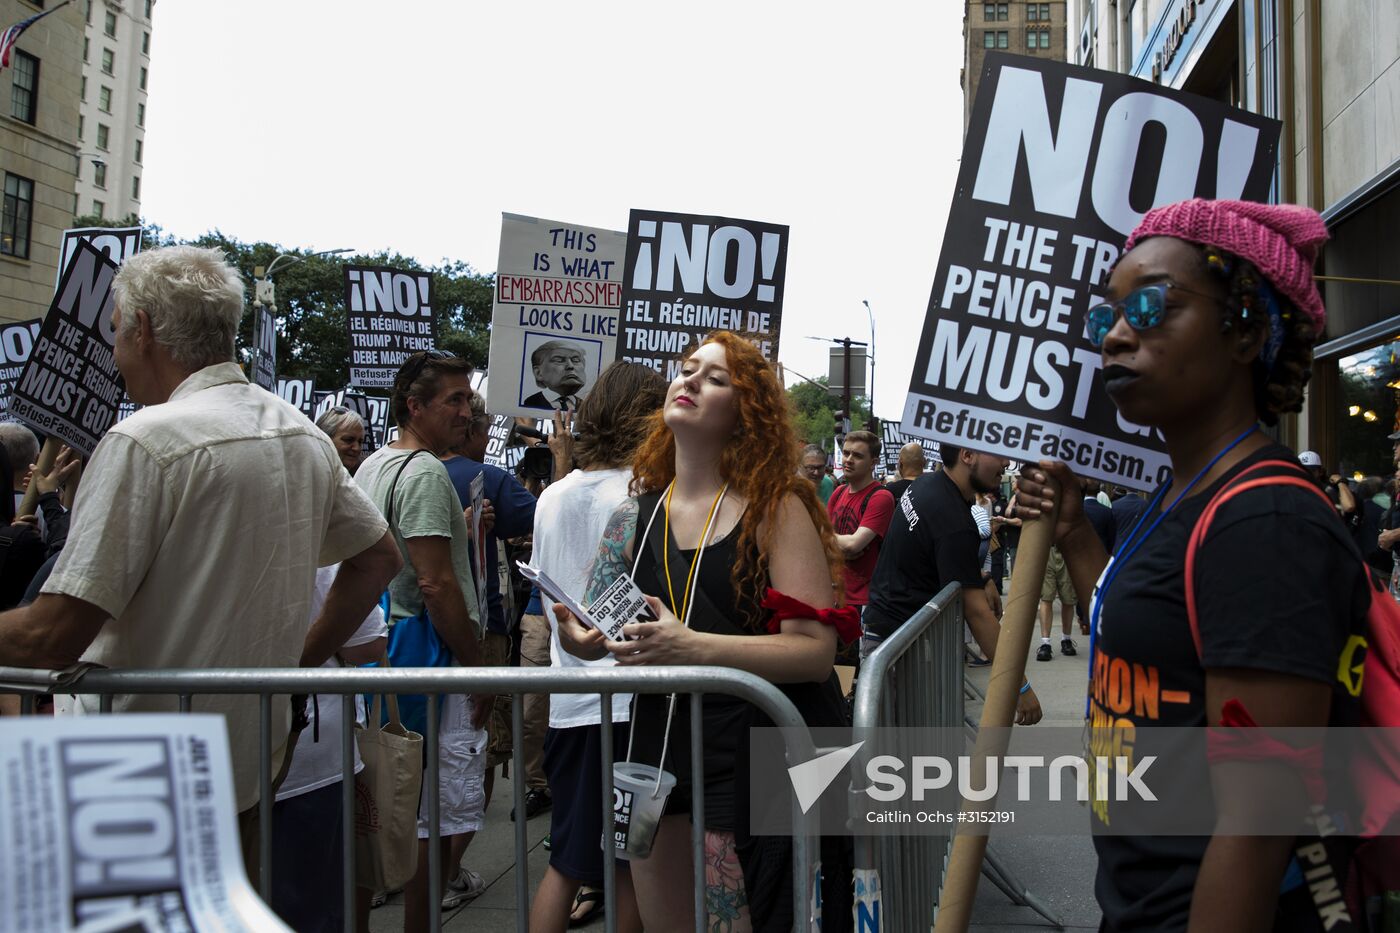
116, 66
38, 153
1330, 72
1018, 26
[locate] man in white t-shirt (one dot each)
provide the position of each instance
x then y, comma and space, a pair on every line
201, 520
570, 519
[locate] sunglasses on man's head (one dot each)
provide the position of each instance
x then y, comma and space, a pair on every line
1143, 308
413, 366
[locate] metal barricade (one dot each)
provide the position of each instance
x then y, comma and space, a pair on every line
347, 682
913, 679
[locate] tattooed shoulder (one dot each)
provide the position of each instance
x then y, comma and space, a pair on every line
612, 559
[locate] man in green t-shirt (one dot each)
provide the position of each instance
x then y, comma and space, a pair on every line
432, 402
814, 468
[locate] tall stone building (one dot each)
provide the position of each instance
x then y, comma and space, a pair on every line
38, 152
112, 128
1329, 70
1017, 26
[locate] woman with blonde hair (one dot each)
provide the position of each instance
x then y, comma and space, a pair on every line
739, 562
346, 429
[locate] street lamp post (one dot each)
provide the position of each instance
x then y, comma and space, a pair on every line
874, 420
263, 291
265, 296
845, 343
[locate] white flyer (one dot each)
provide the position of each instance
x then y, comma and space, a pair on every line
619, 604
483, 560
121, 823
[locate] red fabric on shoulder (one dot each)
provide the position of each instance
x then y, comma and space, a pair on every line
845, 620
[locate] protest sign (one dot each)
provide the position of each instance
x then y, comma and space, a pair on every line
264, 368
687, 275
378, 419
505, 447
118, 243
122, 822
390, 316
70, 387
16, 342
893, 439
554, 317
1059, 165
299, 393
374, 411
497, 439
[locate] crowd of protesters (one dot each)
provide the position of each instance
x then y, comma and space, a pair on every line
219, 528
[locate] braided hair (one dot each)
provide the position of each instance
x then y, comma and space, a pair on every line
1278, 388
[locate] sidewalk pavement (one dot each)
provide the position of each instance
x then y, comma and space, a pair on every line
492, 854
1059, 870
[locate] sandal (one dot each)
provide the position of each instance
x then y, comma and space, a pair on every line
592, 898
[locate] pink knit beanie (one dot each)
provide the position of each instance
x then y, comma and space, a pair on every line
1282, 240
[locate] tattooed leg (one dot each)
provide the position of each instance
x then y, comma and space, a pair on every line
726, 903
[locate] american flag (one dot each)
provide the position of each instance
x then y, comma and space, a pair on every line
10, 36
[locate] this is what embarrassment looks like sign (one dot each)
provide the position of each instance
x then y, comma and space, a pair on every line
554, 316
1060, 164
390, 316
688, 275
70, 388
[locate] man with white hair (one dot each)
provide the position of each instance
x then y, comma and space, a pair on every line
22, 449
202, 518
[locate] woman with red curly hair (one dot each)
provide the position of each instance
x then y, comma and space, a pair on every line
740, 565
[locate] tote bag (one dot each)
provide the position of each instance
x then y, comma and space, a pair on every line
386, 795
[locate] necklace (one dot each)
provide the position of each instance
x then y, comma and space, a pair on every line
685, 606
1130, 547
680, 610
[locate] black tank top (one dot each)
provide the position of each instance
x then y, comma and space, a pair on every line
719, 609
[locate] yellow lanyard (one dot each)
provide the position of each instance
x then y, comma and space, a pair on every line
694, 561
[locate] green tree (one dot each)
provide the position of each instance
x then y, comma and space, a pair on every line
312, 339
814, 411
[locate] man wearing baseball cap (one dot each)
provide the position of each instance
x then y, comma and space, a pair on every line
1334, 485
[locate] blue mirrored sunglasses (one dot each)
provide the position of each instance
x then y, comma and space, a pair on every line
1142, 308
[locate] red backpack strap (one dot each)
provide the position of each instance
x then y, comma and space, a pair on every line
1237, 485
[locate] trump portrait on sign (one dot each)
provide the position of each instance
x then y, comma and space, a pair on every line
562, 370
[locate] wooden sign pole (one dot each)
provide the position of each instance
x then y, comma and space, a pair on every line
999, 710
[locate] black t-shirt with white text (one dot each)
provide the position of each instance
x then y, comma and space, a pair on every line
1279, 588
932, 541
898, 486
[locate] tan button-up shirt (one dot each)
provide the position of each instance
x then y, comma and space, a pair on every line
198, 527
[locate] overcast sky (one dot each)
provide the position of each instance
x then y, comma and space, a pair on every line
413, 125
